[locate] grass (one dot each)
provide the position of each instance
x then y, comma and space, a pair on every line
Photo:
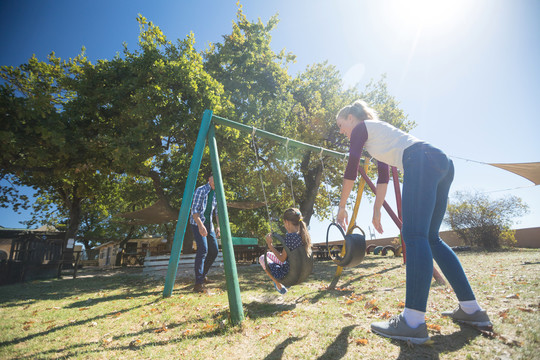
123, 315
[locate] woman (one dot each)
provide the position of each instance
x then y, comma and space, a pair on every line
427, 175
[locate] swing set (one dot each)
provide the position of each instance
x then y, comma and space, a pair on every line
352, 252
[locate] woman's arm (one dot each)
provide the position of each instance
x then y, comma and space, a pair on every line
342, 216
379, 200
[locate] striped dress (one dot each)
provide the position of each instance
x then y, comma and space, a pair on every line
277, 268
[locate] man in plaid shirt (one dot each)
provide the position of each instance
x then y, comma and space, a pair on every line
203, 206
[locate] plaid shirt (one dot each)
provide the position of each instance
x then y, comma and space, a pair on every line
200, 197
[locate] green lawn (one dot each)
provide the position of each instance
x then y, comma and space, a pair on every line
123, 315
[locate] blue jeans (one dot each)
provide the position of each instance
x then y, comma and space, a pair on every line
207, 250
428, 174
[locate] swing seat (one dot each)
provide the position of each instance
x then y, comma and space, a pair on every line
300, 264
355, 248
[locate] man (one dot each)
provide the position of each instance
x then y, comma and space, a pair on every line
202, 208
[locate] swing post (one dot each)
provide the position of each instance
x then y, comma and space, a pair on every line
233, 288
187, 199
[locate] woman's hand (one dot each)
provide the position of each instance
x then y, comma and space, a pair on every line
377, 220
342, 218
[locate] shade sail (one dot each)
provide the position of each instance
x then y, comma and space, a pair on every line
530, 171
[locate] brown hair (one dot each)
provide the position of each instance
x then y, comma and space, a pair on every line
359, 109
295, 217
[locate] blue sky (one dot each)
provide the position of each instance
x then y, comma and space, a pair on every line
467, 72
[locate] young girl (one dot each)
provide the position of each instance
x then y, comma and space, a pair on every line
297, 235
428, 174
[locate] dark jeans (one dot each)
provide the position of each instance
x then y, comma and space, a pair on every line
428, 174
207, 250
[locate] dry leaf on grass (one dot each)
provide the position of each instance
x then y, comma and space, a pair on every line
434, 327
361, 341
161, 329
134, 343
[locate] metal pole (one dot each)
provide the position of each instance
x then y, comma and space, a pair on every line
233, 288
187, 198
278, 138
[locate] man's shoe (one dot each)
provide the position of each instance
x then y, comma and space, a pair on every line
199, 288
479, 318
397, 328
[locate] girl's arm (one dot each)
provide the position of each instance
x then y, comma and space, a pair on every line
281, 256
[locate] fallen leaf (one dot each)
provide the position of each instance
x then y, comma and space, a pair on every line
386, 315
525, 309
434, 327
134, 343
361, 341
83, 308
209, 326
162, 329
513, 296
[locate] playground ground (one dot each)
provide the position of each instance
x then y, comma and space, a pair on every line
121, 315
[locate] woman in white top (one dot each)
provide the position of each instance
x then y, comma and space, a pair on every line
427, 176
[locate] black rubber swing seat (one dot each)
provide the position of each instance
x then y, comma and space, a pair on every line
300, 264
355, 247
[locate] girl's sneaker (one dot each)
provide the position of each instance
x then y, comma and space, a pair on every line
283, 289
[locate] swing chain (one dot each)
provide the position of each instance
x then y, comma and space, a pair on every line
254, 142
326, 184
288, 176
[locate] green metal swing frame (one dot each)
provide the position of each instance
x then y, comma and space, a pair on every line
207, 132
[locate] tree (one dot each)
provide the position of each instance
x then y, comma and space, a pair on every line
483, 222
68, 127
149, 104
42, 144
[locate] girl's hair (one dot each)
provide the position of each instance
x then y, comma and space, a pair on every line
359, 109
295, 217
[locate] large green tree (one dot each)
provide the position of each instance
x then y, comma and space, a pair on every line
42, 143
68, 126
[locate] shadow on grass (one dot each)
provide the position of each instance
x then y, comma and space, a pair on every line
79, 349
25, 294
339, 346
280, 349
256, 309
71, 324
336, 293
441, 344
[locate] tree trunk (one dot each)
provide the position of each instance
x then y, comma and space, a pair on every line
312, 179
74, 206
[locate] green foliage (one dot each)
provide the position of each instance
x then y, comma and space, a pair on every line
483, 222
99, 140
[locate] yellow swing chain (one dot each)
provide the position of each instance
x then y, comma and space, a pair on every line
352, 222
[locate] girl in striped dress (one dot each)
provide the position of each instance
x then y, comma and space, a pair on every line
297, 235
